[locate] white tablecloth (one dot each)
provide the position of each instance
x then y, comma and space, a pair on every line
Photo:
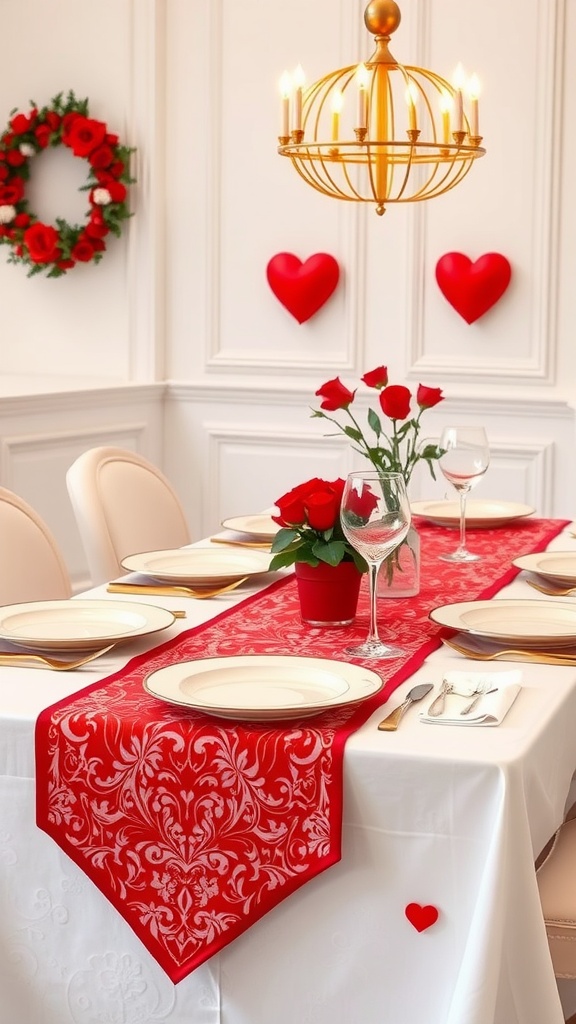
438, 816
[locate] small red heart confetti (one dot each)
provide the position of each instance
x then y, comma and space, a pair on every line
421, 917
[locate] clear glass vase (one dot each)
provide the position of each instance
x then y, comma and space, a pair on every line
399, 575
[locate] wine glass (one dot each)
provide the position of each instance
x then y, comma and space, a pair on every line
375, 517
465, 460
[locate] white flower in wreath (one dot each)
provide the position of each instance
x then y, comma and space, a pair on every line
7, 214
101, 196
26, 149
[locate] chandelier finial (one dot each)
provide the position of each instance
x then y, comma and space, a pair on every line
382, 17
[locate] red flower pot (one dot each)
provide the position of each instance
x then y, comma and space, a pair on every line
328, 593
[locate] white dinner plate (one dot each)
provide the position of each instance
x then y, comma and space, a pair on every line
79, 624
198, 565
479, 514
258, 688
559, 566
260, 527
529, 623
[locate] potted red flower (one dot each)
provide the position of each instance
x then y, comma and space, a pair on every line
328, 569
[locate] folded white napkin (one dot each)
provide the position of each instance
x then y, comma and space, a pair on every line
491, 709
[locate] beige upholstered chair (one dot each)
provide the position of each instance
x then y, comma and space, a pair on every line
556, 876
123, 504
31, 566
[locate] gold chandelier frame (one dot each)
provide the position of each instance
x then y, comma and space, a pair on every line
406, 139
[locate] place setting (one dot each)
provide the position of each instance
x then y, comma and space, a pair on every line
250, 531
550, 572
262, 688
81, 630
196, 572
509, 629
480, 514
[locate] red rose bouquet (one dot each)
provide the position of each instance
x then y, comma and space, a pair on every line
397, 451
310, 530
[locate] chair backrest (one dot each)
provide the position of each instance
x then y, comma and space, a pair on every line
556, 874
123, 505
31, 565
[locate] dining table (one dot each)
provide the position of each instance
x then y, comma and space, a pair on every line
430, 911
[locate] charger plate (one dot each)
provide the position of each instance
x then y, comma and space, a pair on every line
258, 688
198, 565
261, 527
479, 514
79, 624
526, 623
559, 566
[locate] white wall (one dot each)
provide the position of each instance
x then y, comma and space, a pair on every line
182, 298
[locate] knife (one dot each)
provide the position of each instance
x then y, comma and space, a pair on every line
391, 723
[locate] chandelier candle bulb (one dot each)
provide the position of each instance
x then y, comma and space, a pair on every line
474, 92
411, 95
298, 80
458, 101
285, 90
362, 80
337, 104
445, 108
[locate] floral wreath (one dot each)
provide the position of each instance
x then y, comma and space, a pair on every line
43, 247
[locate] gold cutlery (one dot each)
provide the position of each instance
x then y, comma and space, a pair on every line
172, 591
513, 654
552, 591
391, 723
242, 543
58, 664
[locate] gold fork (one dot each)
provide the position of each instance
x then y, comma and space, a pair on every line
242, 543
540, 657
172, 590
552, 591
17, 657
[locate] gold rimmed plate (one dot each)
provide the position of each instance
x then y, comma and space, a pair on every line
558, 566
261, 688
479, 514
207, 565
519, 623
259, 527
79, 624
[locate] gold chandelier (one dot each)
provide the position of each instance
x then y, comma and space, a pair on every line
381, 131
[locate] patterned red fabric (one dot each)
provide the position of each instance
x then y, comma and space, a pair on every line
194, 827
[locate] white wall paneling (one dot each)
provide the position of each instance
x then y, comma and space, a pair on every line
180, 306
508, 203
146, 285
41, 436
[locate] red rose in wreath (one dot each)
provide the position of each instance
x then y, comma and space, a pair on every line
57, 248
41, 241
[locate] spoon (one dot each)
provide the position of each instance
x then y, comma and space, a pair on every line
391, 723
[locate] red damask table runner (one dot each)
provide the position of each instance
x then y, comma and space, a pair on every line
195, 827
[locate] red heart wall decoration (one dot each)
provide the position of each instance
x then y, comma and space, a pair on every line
302, 288
421, 917
473, 288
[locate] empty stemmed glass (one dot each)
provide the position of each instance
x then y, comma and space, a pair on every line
375, 517
465, 460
